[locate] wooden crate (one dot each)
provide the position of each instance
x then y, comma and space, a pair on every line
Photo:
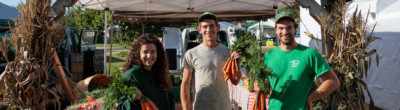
77, 67
76, 58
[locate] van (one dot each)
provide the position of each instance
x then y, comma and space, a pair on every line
177, 42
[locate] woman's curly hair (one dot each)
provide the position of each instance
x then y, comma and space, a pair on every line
161, 64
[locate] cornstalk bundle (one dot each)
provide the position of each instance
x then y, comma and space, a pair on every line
25, 80
350, 58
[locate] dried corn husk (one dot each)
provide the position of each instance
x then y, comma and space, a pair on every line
26, 80
349, 58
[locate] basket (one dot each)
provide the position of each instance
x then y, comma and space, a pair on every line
91, 83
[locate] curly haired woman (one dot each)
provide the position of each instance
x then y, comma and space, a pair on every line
147, 65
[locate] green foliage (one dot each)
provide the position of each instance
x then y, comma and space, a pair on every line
120, 87
249, 48
80, 18
123, 53
124, 41
242, 45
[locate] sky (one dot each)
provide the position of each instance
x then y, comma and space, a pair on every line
12, 3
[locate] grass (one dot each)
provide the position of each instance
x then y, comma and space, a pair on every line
117, 61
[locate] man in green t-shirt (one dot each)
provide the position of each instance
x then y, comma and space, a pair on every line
296, 66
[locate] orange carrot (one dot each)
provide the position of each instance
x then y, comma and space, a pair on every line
234, 77
147, 105
233, 68
229, 71
152, 106
142, 105
226, 65
259, 102
262, 101
253, 107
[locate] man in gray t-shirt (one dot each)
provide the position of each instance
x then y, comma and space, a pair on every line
204, 63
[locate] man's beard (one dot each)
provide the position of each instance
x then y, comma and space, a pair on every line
291, 39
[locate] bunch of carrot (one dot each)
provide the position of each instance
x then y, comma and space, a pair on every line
147, 104
230, 69
259, 102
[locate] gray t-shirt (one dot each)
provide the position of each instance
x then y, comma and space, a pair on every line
211, 92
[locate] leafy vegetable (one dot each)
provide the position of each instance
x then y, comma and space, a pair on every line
249, 48
120, 87
95, 94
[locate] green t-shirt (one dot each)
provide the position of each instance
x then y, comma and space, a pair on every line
150, 86
295, 71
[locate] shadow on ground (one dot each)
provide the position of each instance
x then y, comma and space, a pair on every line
115, 59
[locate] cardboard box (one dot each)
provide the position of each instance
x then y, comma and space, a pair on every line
247, 85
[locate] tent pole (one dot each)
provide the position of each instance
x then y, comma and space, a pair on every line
259, 27
105, 43
142, 28
111, 36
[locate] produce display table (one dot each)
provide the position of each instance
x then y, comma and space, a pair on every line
243, 98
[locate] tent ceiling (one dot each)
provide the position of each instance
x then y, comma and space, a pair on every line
186, 10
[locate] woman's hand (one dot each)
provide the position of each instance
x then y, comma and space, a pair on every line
138, 94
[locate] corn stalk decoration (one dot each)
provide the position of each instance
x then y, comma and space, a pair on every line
25, 81
349, 57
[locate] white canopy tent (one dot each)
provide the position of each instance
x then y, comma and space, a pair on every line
267, 29
186, 10
383, 79
270, 23
224, 25
140, 11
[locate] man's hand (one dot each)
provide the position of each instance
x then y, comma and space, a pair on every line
236, 79
330, 84
236, 56
309, 103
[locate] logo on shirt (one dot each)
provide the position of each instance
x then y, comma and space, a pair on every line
295, 63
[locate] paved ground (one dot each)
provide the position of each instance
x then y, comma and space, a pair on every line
115, 50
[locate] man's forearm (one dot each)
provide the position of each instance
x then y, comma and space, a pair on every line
185, 97
326, 88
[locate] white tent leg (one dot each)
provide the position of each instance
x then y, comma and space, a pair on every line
105, 42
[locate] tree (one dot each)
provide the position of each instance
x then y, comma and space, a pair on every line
80, 18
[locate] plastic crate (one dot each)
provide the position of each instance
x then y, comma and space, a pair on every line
98, 61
